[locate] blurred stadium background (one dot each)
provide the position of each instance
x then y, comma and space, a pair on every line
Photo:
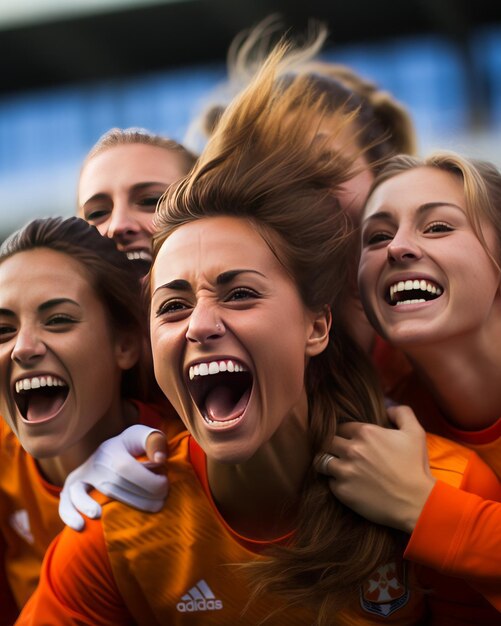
72, 69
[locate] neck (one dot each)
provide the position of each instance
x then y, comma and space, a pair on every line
259, 498
119, 416
463, 377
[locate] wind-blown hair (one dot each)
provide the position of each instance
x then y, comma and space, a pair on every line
481, 185
265, 164
384, 126
109, 273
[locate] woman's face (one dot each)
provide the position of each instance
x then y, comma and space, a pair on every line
230, 336
424, 276
60, 366
118, 192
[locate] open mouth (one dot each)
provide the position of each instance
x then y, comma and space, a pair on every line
221, 390
141, 260
40, 398
413, 292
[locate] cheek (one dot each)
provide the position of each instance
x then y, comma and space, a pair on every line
167, 353
146, 223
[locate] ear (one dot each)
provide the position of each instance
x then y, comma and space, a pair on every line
127, 349
319, 332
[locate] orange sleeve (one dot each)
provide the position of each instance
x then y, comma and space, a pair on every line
459, 531
76, 585
8, 606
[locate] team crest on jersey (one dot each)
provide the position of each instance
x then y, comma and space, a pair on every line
386, 590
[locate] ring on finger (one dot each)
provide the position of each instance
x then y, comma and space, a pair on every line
323, 462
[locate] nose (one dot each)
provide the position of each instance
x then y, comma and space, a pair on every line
28, 347
204, 324
122, 224
403, 248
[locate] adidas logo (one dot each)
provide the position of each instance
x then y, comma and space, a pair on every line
199, 598
20, 522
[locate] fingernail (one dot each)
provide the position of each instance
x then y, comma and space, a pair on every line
159, 457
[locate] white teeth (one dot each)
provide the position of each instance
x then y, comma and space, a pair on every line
410, 301
203, 369
222, 424
38, 381
134, 255
413, 285
214, 367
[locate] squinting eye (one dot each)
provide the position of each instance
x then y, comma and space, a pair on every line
438, 227
95, 216
241, 293
377, 238
170, 307
57, 320
5, 331
151, 201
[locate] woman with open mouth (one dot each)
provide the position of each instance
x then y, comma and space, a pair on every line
250, 263
72, 341
121, 182
430, 281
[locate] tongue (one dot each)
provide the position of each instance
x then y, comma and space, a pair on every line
42, 406
220, 404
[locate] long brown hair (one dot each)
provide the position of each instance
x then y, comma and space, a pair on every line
385, 127
265, 164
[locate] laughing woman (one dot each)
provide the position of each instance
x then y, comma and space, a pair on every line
250, 261
71, 341
430, 279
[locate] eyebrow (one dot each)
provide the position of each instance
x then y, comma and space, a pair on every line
44, 306
224, 278
102, 195
55, 302
423, 208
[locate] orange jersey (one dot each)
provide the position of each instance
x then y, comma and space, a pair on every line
29, 510
457, 533
180, 566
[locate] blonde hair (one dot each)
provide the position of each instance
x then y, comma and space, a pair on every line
265, 164
125, 136
481, 185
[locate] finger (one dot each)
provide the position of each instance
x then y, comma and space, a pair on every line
349, 430
156, 447
134, 438
80, 499
67, 512
136, 479
143, 503
404, 418
323, 463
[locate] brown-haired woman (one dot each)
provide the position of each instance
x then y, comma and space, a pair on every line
250, 264
72, 335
